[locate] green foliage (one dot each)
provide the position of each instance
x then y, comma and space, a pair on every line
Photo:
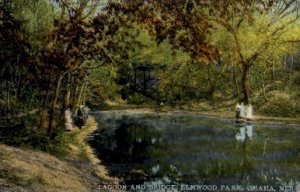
38, 16
25, 134
279, 107
101, 86
60, 145
138, 99
296, 79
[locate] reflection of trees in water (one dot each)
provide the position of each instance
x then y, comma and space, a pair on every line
128, 148
253, 171
236, 166
251, 165
190, 153
256, 167
248, 163
133, 140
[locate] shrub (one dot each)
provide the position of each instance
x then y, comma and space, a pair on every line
138, 99
279, 107
23, 135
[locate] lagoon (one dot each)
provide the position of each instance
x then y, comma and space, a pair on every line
189, 149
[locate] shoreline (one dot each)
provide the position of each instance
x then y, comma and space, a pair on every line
23, 169
85, 151
229, 115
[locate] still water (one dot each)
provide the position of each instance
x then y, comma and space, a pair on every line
190, 149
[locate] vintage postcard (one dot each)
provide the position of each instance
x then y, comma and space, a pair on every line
150, 95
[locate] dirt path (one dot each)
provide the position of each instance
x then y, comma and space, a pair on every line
28, 170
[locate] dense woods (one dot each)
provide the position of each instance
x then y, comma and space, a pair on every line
60, 54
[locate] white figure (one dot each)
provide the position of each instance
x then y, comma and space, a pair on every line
155, 169
237, 111
245, 131
153, 140
242, 110
68, 120
249, 131
241, 136
249, 111
139, 140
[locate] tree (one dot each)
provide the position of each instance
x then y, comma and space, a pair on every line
13, 50
188, 25
78, 38
56, 55
253, 31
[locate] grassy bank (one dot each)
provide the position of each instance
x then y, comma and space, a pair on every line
31, 170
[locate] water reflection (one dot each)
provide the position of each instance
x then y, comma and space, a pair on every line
245, 131
193, 150
128, 146
260, 173
246, 165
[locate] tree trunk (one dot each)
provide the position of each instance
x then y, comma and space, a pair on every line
79, 98
263, 87
235, 83
43, 117
8, 102
84, 96
66, 102
67, 94
67, 98
51, 118
245, 84
8, 108
73, 98
211, 92
212, 84
273, 68
292, 64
